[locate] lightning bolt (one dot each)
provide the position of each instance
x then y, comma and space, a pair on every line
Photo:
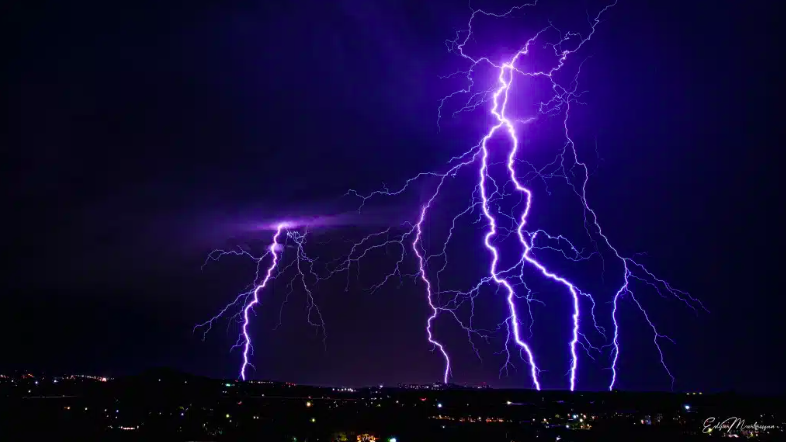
247, 300
562, 98
485, 205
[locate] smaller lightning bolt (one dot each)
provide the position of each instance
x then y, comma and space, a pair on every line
247, 339
416, 229
250, 298
434, 310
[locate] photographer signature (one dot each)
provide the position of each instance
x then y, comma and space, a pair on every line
733, 424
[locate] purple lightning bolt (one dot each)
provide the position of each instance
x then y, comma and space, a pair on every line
429, 296
562, 98
250, 305
251, 297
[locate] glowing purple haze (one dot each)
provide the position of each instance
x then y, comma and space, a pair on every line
486, 194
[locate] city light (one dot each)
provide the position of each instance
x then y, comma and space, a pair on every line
204, 411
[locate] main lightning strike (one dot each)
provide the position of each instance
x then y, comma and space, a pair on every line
562, 97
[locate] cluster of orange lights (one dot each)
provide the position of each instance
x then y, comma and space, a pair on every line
84, 376
488, 420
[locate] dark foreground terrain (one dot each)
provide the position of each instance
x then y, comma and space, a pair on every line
164, 405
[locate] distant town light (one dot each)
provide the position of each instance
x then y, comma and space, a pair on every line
509, 402
687, 407
308, 404
313, 420
439, 405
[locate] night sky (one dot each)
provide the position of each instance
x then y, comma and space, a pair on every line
146, 135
